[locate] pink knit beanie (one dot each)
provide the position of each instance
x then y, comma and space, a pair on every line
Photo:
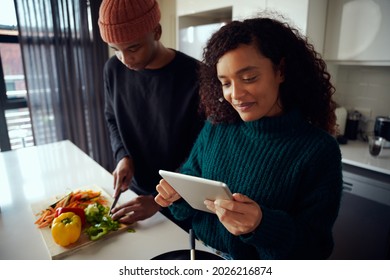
123, 21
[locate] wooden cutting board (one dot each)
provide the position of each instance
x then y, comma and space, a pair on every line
56, 251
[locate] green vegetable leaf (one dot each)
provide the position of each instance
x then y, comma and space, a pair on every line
96, 233
101, 222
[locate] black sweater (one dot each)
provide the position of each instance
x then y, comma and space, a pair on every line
152, 115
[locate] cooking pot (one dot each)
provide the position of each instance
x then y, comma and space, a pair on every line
382, 127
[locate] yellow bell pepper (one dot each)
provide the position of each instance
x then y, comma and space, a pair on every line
66, 228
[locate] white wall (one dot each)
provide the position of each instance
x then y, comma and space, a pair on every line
168, 22
365, 88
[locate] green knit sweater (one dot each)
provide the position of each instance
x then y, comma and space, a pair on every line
290, 168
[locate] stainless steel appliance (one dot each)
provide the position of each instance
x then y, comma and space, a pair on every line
382, 129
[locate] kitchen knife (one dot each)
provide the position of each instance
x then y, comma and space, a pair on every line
115, 202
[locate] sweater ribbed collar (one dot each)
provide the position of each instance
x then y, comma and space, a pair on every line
279, 126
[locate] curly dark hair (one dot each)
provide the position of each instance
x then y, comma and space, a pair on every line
307, 83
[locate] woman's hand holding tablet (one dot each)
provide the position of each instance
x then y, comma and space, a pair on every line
196, 190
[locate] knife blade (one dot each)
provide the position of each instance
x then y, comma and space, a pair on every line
115, 202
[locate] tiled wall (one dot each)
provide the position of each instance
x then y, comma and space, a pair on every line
366, 88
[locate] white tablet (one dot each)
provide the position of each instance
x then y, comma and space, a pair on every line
196, 190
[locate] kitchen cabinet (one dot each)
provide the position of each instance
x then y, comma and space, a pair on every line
241, 9
309, 16
357, 32
362, 229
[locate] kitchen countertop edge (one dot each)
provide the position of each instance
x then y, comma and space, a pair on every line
366, 166
356, 153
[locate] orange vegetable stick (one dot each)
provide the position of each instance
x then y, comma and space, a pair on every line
45, 224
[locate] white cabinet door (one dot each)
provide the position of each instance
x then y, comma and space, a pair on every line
241, 9
296, 11
308, 16
358, 31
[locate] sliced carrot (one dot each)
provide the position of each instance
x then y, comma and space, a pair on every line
72, 204
45, 224
39, 221
77, 198
71, 199
59, 203
50, 217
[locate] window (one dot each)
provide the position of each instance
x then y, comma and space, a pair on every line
15, 122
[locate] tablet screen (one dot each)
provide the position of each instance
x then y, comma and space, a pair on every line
196, 190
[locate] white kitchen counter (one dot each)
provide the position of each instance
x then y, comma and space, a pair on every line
356, 153
36, 173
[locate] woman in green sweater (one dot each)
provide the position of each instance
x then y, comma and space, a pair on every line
268, 99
